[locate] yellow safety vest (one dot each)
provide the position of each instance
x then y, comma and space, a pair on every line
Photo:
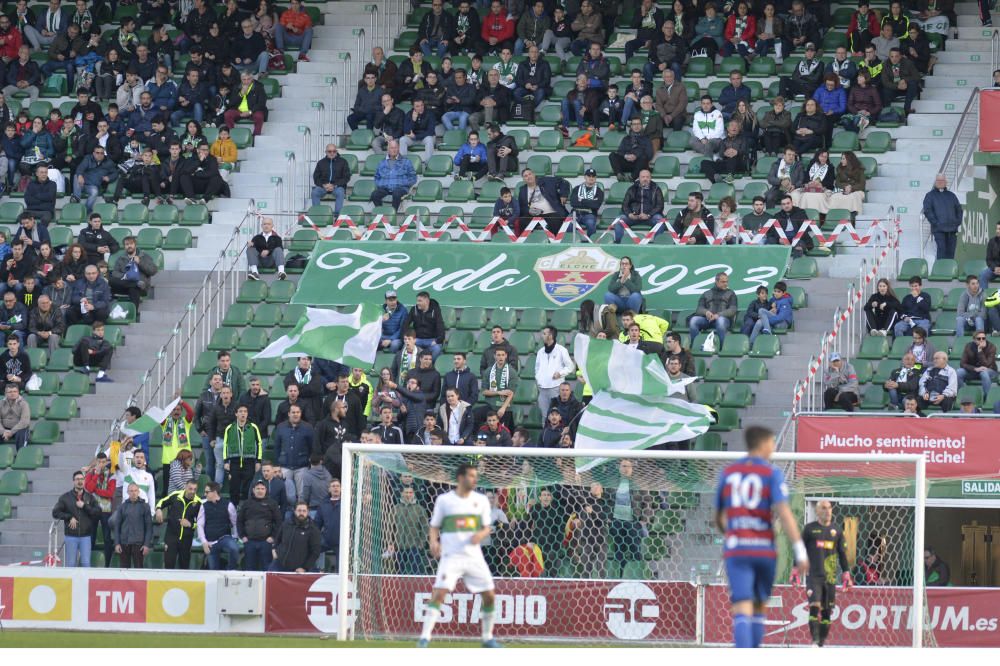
244, 107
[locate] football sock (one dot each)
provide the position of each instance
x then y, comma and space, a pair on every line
814, 623
431, 616
488, 619
824, 626
758, 630
742, 631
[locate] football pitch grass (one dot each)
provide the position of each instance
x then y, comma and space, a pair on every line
94, 639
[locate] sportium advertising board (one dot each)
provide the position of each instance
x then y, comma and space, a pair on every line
966, 452
133, 600
529, 276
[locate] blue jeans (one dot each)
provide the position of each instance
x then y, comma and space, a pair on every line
196, 111
946, 243
303, 41
220, 462
653, 220
904, 327
78, 546
227, 546
257, 67
577, 114
394, 345
354, 119
455, 120
539, 94
895, 398
651, 72
633, 302
987, 377
91, 192
256, 555
430, 344
962, 324
699, 324
588, 221
434, 47
338, 194
986, 276
627, 109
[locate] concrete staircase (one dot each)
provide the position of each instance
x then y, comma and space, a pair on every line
23, 537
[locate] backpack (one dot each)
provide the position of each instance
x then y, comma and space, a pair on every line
523, 111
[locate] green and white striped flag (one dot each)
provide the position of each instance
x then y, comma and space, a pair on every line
348, 338
632, 407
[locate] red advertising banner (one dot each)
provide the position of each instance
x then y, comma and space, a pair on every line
533, 608
989, 121
111, 600
964, 452
868, 616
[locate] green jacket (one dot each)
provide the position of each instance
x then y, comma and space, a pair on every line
247, 447
411, 522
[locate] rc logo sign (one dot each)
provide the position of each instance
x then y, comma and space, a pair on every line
323, 604
573, 273
631, 611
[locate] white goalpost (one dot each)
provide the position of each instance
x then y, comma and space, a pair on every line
611, 546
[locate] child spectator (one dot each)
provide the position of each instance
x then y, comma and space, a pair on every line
116, 124
507, 207
23, 123
5, 250
224, 151
612, 108
55, 123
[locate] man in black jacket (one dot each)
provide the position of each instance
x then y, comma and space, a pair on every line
427, 322
643, 205
310, 384
201, 180
329, 437
806, 77
468, 30
248, 50
258, 404
436, 30
94, 351
633, 153
992, 270
492, 102
501, 154
790, 217
354, 419
249, 101
533, 77
735, 155
96, 241
265, 250
389, 121
40, 196
298, 544
543, 197
330, 177
79, 510
586, 201
258, 520
328, 522
179, 510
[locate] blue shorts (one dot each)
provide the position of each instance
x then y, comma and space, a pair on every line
750, 578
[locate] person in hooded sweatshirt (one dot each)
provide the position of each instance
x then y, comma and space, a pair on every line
778, 314
257, 523
298, 544
315, 483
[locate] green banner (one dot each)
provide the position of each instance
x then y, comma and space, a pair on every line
529, 276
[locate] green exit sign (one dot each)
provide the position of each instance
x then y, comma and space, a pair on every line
925, 158
901, 209
914, 183
288, 153
360, 31
302, 129
938, 132
974, 57
981, 488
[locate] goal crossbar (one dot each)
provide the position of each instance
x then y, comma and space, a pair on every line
349, 449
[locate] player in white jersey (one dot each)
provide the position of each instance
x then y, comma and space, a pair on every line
460, 522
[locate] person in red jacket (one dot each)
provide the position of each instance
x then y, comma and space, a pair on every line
498, 29
740, 32
100, 482
863, 28
295, 29
10, 41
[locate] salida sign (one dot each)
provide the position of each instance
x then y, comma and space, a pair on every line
528, 276
530, 608
966, 452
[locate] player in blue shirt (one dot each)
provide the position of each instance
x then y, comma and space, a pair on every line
751, 490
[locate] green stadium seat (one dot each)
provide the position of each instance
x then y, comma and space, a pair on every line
802, 268
751, 371
118, 233
950, 302
453, 140
710, 441
699, 68
129, 316
178, 239
253, 339
134, 214
913, 266
38, 357
570, 166
666, 166
874, 347
549, 141
490, 192
878, 142
526, 393
224, 339
765, 346
13, 482
735, 345
252, 292
281, 291
737, 395
72, 213
36, 404
194, 216
718, 192
459, 341
164, 215
540, 164
721, 370
763, 167
524, 342
728, 419
610, 141
371, 164
845, 141
532, 320
6, 460
108, 213
460, 192
60, 360
832, 40
565, 319
360, 139
362, 190
616, 195
9, 212
295, 312
29, 458
73, 334
439, 166
428, 190
944, 270
762, 67
677, 142
192, 387
44, 432
472, 319
505, 318
751, 190
799, 297
63, 408
683, 191
602, 165
74, 384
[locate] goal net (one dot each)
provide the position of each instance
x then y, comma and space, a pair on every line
621, 547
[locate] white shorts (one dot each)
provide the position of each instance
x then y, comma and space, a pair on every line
471, 569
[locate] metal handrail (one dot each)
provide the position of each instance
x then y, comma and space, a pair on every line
995, 48
958, 154
201, 317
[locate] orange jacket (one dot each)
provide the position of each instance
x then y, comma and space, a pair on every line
298, 20
224, 151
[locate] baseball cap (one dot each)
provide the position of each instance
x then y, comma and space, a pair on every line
390, 294
810, 46
590, 172
835, 356
968, 401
